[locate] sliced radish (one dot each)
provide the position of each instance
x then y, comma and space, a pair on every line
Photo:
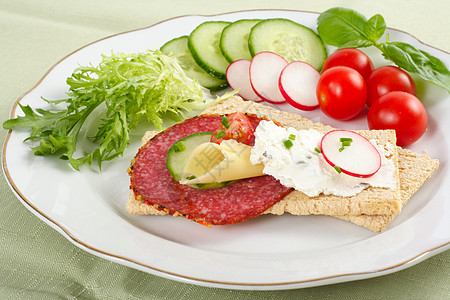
359, 159
297, 83
238, 77
265, 70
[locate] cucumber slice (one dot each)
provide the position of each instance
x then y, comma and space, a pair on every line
204, 46
234, 40
288, 39
179, 48
179, 153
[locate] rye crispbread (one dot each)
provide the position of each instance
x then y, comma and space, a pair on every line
374, 208
414, 170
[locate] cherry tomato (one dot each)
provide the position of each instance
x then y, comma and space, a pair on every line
400, 111
235, 126
388, 79
352, 58
341, 92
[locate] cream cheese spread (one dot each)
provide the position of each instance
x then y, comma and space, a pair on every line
303, 168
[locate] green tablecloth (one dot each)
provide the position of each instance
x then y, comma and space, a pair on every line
37, 262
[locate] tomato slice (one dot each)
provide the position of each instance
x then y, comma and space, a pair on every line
235, 126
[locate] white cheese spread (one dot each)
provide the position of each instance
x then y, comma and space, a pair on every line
301, 167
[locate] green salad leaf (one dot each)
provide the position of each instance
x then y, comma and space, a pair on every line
343, 27
124, 88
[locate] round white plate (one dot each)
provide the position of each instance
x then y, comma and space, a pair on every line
267, 252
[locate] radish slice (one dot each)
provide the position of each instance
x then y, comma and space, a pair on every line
298, 82
359, 159
238, 77
265, 70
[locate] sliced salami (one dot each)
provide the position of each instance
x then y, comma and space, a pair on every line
152, 182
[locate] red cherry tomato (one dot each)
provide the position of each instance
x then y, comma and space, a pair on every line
352, 58
235, 126
400, 111
388, 79
341, 92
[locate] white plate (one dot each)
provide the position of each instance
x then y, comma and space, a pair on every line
267, 252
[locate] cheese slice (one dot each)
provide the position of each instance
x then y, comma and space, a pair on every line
211, 162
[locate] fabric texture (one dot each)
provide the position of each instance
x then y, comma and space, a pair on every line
36, 262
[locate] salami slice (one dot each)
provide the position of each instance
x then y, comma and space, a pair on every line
237, 202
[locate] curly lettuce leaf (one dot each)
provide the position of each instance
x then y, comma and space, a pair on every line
129, 86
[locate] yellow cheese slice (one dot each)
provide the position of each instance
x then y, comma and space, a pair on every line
210, 162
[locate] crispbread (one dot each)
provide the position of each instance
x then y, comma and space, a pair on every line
371, 210
414, 170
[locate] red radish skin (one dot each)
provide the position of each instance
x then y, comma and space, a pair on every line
265, 70
360, 159
238, 77
297, 83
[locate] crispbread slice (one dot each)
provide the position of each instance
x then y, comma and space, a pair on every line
414, 170
371, 201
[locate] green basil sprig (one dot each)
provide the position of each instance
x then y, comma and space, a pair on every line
346, 28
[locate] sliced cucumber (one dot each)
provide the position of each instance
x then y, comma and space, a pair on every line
288, 39
234, 40
179, 153
179, 48
204, 45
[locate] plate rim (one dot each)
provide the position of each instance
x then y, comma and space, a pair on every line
180, 277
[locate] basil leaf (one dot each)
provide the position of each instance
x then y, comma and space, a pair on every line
418, 62
375, 28
342, 27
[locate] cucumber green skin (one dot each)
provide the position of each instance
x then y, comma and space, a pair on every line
211, 185
204, 46
265, 34
234, 40
179, 47
177, 160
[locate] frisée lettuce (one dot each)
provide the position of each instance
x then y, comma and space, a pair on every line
125, 88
